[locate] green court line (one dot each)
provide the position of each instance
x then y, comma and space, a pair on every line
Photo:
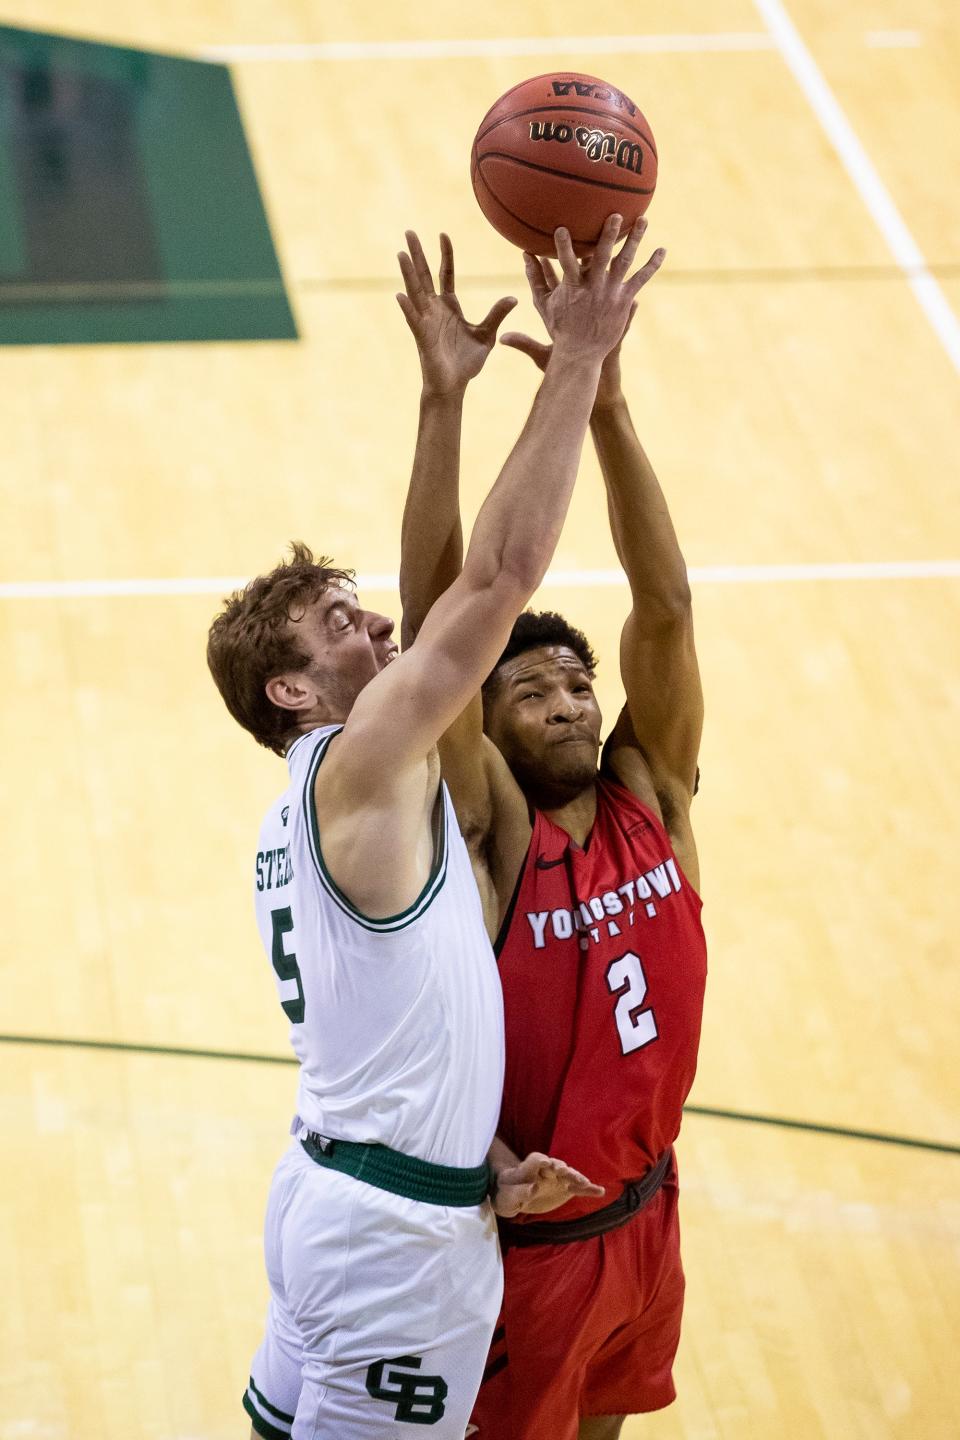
815, 1128
125, 1047
710, 1111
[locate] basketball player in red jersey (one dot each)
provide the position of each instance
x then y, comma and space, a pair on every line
589, 879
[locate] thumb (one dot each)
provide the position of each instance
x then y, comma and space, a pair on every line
510, 1199
496, 315
538, 352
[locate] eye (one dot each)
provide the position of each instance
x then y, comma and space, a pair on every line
531, 695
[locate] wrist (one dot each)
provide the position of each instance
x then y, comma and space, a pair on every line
608, 402
571, 357
433, 397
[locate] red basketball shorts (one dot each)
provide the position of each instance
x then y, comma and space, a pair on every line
587, 1328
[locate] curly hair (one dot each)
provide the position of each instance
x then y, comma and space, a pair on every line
250, 641
545, 627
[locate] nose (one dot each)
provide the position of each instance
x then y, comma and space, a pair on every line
379, 627
564, 710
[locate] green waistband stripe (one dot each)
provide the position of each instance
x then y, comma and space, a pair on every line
261, 1426
264, 1403
401, 1174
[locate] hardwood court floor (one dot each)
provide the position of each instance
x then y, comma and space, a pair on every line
802, 410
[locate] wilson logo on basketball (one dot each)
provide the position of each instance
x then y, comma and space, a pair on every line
597, 144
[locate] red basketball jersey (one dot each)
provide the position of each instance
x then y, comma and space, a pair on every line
603, 967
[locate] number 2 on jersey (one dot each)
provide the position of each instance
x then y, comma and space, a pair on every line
286, 964
637, 1027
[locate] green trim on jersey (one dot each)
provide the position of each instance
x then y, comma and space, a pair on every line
299, 740
438, 870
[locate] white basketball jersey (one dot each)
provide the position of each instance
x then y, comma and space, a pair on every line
397, 1023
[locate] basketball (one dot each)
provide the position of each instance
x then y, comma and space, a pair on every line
562, 149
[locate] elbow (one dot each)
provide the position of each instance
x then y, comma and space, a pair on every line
523, 575
411, 618
665, 609
524, 561
513, 574
680, 599
674, 596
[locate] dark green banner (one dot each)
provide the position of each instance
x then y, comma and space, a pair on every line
129, 205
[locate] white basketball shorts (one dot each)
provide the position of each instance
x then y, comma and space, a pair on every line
381, 1310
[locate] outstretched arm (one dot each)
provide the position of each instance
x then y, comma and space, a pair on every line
664, 713
658, 660
369, 792
452, 352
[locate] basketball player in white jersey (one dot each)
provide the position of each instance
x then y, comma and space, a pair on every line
381, 1253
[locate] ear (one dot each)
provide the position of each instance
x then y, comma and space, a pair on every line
290, 692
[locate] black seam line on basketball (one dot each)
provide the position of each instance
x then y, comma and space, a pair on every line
569, 110
534, 229
762, 275
709, 1112
598, 180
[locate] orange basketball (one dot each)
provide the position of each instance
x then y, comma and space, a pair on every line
562, 149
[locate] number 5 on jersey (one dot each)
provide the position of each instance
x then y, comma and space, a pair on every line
286, 965
637, 1027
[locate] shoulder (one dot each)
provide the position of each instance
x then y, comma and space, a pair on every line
372, 826
491, 809
493, 818
625, 768
628, 780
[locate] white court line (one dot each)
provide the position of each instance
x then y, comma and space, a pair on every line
893, 39
500, 46
557, 579
862, 172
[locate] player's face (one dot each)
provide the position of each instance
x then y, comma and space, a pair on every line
545, 721
347, 646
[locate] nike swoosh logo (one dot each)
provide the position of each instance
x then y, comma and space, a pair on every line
544, 864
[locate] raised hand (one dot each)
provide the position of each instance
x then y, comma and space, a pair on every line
589, 309
609, 386
452, 351
538, 1184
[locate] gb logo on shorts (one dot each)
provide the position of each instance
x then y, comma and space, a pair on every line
419, 1398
